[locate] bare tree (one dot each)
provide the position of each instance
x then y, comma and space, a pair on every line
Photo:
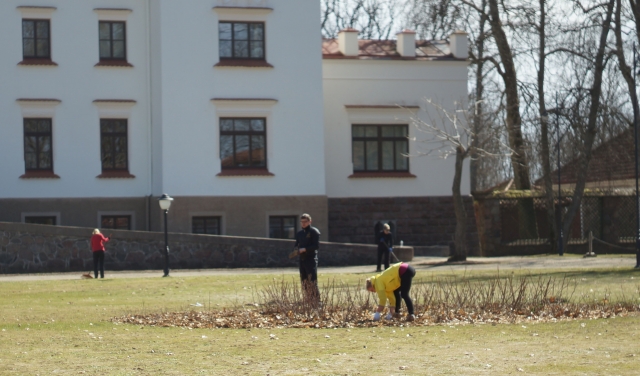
448, 134
375, 19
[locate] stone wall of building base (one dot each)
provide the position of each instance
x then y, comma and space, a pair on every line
27, 248
420, 221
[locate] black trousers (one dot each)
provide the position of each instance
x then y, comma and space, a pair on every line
309, 279
383, 254
98, 263
403, 290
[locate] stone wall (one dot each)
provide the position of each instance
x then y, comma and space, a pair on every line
28, 248
420, 221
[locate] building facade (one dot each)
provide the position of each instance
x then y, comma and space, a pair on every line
235, 108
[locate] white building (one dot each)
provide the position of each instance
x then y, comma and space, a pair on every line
233, 107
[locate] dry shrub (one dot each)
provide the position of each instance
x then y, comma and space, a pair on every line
439, 301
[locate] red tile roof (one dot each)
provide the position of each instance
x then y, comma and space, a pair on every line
386, 50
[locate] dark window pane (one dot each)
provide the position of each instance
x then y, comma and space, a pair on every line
28, 29
104, 30
122, 223
358, 155
197, 226
387, 155
117, 31
257, 151
225, 49
372, 155
224, 31
282, 227
28, 48
257, 50
30, 125
44, 125
240, 49
44, 160
121, 126
226, 124
30, 161
117, 222
401, 131
242, 124
40, 220
42, 47
105, 49
257, 31
107, 222
358, 131
240, 31
106, 126
242, 151
257, 125
388, 131
118, 50
226, 151
402, 162
42, 29
44, 142
30, 144
212, 226
205, 225
371, 131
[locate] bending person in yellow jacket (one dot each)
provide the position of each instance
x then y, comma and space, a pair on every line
393, 283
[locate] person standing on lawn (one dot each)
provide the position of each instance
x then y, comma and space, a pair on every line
97, 246
307, 243
392, 284
385, 246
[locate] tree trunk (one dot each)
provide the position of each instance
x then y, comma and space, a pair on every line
478, 123
544, 131
460, 239
590, 134
519, 163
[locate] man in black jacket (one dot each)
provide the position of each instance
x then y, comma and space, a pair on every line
385, 246
307, 243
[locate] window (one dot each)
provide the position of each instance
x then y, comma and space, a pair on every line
35, 39
243, 143
116, 222
380, 148
205, 225
38, 155
113, 144
241, 40
112, 40
282, 227
41, 220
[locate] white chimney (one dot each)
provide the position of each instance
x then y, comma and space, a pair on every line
459, 44
348, 42
406, 44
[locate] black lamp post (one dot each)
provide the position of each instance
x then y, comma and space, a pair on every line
165, 204
560, 232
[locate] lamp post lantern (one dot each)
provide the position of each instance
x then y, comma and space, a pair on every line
165, 204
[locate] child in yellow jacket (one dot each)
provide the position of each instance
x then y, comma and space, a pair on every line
392, 284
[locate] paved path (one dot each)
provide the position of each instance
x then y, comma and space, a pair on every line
435, 264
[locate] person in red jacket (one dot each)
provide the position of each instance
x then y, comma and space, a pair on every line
97, 246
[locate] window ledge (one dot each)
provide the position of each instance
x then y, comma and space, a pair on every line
113, 63
38, 62
115, 175
243, 63
358, 175
39, 175
246, 172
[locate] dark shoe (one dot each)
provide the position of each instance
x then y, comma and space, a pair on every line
637, 267
411, 317
378, 270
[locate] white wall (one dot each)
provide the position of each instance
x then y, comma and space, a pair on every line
76, 82
190, 120
388, 82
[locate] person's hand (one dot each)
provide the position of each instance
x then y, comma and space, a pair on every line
302, 250
390, 250
376, 316
389, 316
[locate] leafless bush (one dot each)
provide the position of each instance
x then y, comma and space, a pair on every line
438, 301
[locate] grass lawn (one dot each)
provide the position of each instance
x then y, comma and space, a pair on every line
64, 327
